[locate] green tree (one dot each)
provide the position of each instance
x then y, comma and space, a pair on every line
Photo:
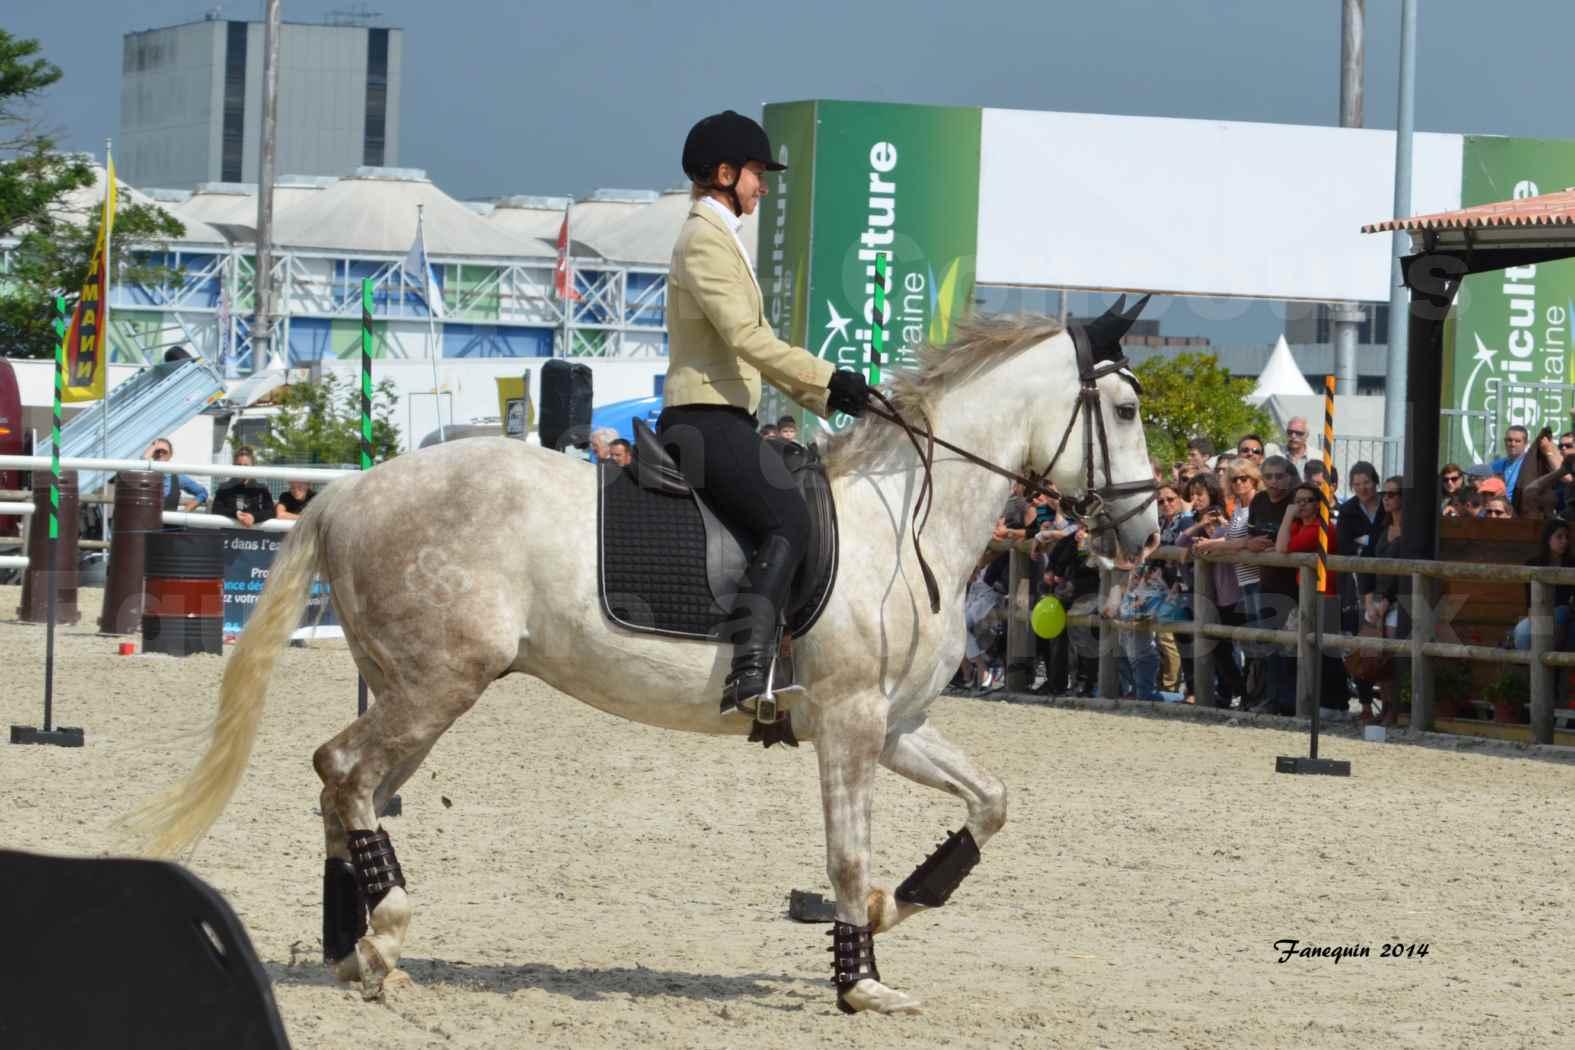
55, 238
1190, 396
321, 423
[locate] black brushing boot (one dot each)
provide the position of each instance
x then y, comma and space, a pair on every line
754, 627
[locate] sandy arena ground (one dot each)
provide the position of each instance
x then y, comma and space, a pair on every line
600, 884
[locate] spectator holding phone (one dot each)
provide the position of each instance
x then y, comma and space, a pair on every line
246, 500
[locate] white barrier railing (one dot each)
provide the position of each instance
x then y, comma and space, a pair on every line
171, 517
158, 466
194, 520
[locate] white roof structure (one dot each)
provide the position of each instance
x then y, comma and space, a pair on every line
534, 221
646, 237
1280, 377
235, 203
590, 220
374, 211
82, 205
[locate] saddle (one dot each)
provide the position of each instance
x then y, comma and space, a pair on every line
668, 565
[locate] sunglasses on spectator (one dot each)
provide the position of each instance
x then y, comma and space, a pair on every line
1240, 477
1250, 451
1391, 492
1452, 478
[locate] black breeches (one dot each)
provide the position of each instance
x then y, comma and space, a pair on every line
740, 477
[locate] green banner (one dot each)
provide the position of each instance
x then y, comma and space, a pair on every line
1511, 341
893, 181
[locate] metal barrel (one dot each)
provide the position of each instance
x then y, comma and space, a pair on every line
139, 512
35, 580
183, 592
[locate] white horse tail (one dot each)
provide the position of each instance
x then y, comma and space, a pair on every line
173, 823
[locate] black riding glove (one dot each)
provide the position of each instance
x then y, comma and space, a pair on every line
847, 392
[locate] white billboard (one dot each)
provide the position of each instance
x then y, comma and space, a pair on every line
1201, 207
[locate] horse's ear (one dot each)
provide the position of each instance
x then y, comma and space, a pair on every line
1105, 334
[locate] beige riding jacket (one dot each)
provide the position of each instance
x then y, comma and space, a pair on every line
719, 345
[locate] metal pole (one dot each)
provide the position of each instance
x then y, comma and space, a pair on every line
1395, 385
1345, 318
262, 327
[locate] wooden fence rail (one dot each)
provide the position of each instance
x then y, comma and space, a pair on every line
1423, 647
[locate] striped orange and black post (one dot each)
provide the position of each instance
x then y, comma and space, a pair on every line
1312, 763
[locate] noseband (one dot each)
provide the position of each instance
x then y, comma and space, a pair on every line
1089, 510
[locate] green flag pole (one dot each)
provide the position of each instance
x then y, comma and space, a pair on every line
394, 806
366, 424
65, 736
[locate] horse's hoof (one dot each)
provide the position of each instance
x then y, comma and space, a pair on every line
373, 967
399, 983
872, 996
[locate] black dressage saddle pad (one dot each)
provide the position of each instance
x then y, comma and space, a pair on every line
667, 565
114, 954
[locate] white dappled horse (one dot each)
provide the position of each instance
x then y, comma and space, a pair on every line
461, 563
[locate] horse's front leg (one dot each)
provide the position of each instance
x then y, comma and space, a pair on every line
848, 741
924, 756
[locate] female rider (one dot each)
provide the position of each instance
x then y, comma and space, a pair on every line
719, 349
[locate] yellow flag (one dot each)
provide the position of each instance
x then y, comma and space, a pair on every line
87, 340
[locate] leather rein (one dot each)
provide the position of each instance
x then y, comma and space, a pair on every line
1089, 510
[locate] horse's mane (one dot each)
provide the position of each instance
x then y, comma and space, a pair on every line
980, 343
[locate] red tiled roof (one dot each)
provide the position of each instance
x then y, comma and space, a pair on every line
1550, 209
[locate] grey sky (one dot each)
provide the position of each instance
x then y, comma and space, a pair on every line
505, 96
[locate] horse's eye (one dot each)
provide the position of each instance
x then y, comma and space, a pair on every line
1126, 411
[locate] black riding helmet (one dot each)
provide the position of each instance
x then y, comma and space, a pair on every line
726, 138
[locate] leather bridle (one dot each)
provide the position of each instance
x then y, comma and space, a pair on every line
1090, 510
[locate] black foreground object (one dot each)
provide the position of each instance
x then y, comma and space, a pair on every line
935, 880
112, 953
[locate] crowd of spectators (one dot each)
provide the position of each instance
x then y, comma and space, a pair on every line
248, 501
1256, 498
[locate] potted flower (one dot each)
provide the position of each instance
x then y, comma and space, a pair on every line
1508, 694
1451, 688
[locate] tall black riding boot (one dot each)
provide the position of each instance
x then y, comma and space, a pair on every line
754, 624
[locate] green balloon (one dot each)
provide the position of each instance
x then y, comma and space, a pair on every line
1049, 617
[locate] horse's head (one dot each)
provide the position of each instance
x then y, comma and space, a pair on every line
1098, 448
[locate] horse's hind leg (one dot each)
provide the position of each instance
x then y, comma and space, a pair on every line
368, 760
926, 757
344, 907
